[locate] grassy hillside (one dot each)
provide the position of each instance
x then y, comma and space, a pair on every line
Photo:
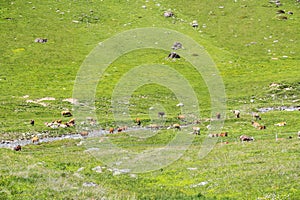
255, 50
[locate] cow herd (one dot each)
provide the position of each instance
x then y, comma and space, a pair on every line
194, 130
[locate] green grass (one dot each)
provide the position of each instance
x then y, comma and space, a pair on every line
242, 37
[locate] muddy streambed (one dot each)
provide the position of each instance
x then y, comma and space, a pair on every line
279, 108
13, 143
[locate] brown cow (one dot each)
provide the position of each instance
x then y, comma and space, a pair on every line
177, 126
71, 122
84, 133
123, 128
18, 148
223, 134
35, 139
280, 124
138, 121
181, 117
111, 130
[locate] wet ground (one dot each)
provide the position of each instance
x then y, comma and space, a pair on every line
279, 108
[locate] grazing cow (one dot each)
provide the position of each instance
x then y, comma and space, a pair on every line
218, 115
280, 12
223, 134
257, 125
18, 148
237, 113
84, 133
138, 121
177, 45
111, 130
298, 134
246, 138
195, 24
173, 55
177, 126
41, 40
282, 17
280, 124
71, 122
35, 139
256, 116
181, 117
32, 122
161, 114
66, 113
196, 130
168, 14
120, 129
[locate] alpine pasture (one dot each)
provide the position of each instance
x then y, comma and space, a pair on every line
255, 47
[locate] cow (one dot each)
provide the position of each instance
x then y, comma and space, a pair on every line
280, 12
177, 126
161, 114
32, 122
35, 139
181, 117
41, 40
298, 134
71, 122
196, 130
218, 115
177, 45
195, 24
138, 121
168, 14
280, 124
66, 113
84, 133
261, 127
246, 138
223, 134
173, 55
257, 125
120, 129
256, 116
237, 113
111, 130
18, 148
